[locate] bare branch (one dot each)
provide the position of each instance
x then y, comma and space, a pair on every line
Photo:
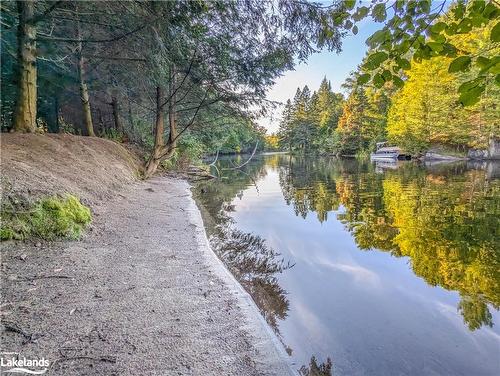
109, 40
40, 17
216, 157
116, 58
182, 81
248, 160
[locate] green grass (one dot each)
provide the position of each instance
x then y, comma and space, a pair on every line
49, 218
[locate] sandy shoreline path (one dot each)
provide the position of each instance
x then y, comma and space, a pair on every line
140, 294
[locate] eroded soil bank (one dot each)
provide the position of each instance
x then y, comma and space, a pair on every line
94, 169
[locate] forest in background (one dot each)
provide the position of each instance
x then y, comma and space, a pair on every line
187, 78
423, 113
166, 76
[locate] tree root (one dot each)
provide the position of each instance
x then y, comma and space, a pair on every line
46, 276
97, 358
202, 175
14, 328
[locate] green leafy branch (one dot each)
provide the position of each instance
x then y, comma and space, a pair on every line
419, 31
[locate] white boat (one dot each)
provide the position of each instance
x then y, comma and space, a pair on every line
382, 165
386, 153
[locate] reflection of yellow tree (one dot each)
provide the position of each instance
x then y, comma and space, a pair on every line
365, 215
446, 222
446, 225
450, 233
273, 161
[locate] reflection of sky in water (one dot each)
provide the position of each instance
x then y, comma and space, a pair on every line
365, 309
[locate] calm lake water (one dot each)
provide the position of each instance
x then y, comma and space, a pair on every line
384, 270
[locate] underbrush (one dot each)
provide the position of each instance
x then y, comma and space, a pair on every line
188, 152
48, 219
363, 154
113, 135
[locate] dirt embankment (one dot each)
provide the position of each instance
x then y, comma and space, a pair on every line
91, 168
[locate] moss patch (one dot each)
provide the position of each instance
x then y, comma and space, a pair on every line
49, 218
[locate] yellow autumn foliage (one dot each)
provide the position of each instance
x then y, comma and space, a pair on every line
426, 111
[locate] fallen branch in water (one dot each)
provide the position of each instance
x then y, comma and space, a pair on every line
248, 160
216, 169
216, 157
213, 163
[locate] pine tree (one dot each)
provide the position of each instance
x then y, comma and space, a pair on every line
351, 124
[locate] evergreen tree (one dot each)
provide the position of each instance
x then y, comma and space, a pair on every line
352, 123
308, 122
285, 131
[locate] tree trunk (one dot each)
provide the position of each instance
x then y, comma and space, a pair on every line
26, 106
100, 120
130, 118
56, 110
84, 92
116, 115
154, 160
84, 95
162, 151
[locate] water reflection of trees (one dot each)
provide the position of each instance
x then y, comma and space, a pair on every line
307, 185
315, 369
250, 260
255, 265
215, 196
444, 219
449, 229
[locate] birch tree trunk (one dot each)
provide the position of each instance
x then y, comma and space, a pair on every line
26, 106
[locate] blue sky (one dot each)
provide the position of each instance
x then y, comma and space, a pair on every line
336, 68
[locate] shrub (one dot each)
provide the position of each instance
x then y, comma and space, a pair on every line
113, 135
49, 218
